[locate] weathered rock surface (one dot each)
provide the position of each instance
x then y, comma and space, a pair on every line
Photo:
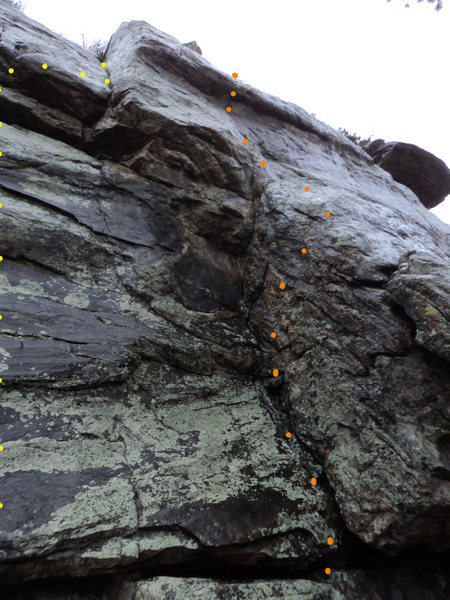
193, 46
143, 428
425, 174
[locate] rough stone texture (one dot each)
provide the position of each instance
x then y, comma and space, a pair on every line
425, 174
193, 46
142, 426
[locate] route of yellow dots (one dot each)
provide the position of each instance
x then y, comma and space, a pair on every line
1, 258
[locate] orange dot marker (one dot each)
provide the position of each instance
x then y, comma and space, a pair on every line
282, 286
330, 541
235, 75
275, 372
327, 571
306, 189
245, 141
313, 481
233, 93
288, 434
273, 334
304, 250
328, 214
263, 163
228, 108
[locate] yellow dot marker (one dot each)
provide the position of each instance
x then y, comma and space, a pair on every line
1, 204
103, 64
1, 123
11, 71
228, 108
313, 481
1, 153
328, 214
233, 93
327, 571
82, 74
234, 75
304, 250
107, 80
263, 163
1, 448
1, 505
330, 541
1, 317
45, 66
275, 372
245, 141
1, 379
288, 434
306, 189
1, 258
273, 334
282, 286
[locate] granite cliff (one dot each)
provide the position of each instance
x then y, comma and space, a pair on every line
224, 342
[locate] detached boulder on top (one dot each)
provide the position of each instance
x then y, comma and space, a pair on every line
425, 174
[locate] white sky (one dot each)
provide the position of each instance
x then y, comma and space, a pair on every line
371, 67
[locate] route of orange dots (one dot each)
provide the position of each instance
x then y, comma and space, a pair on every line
229, 109
288, 434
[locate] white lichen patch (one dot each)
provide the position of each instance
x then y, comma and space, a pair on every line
114, 549
77, 299
96, 508
159, 540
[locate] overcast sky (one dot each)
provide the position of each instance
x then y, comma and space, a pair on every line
374, 68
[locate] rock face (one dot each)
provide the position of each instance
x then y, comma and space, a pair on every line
148, 258
194, 46
425, 174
